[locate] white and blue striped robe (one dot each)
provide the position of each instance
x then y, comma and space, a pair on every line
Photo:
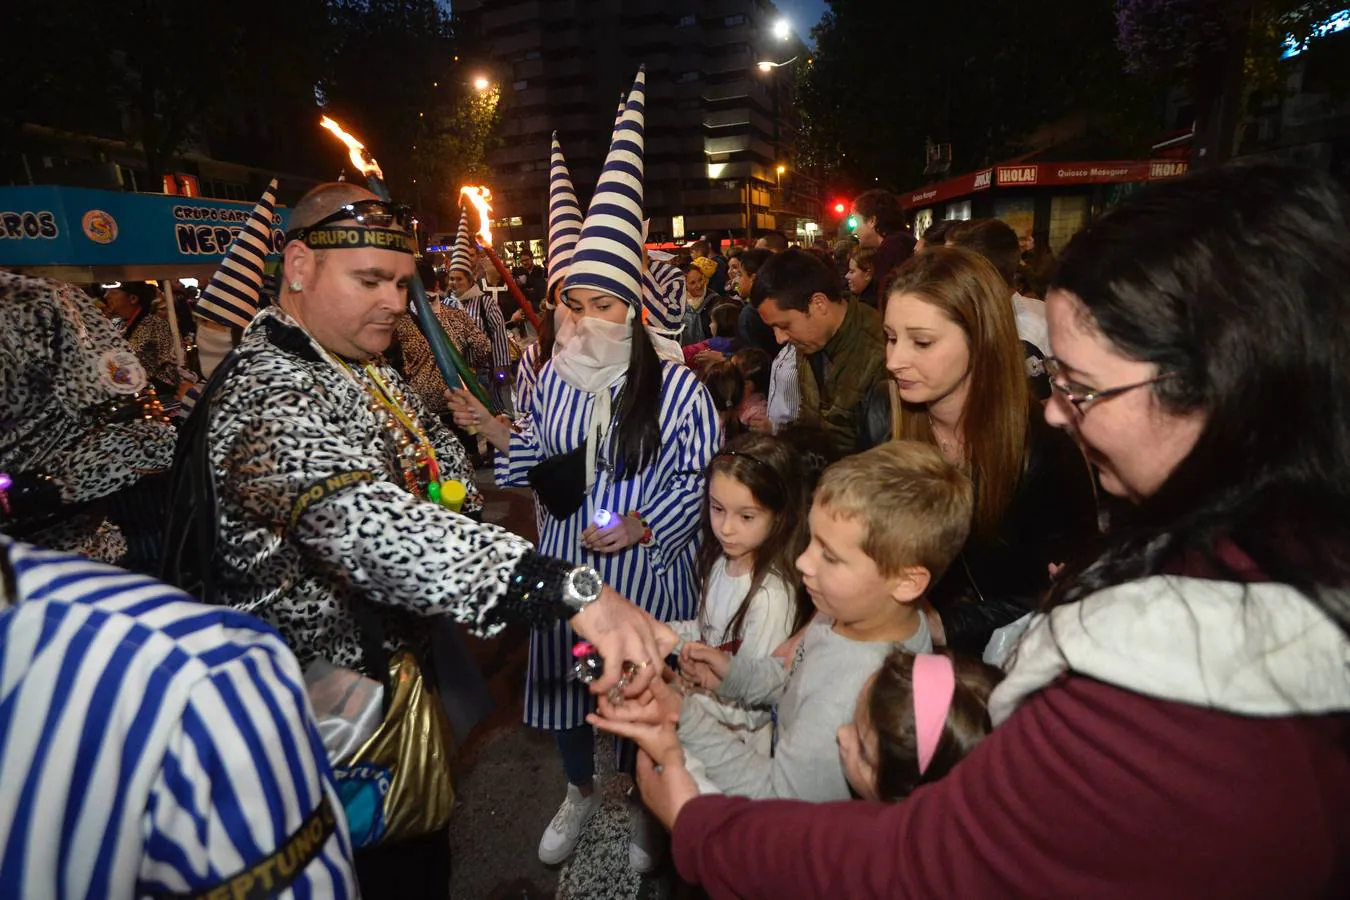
486, 313
669, 495
149, 744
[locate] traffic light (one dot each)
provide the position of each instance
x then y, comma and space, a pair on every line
852, 224
840, 207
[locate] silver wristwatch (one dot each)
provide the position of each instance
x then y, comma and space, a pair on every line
581, 588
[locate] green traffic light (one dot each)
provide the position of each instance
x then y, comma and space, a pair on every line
852, 223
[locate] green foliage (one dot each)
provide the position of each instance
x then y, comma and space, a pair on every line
243, 77
978, 74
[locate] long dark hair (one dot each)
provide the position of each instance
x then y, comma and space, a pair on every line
548, 332
637, 438
726, 386
1238, 281
771, 470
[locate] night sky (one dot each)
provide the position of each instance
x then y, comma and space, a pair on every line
803, 13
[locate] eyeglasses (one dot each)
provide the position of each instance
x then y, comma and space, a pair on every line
367, 213
1084, 399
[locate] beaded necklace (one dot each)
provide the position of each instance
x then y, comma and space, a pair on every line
416, 454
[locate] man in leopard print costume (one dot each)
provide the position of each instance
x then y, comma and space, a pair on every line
304, 484
79, 426
309, 509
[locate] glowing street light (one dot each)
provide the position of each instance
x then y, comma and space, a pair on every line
765, 65
481, 84
782, 29
782, 169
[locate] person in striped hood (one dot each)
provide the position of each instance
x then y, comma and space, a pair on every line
153, 746
615, 443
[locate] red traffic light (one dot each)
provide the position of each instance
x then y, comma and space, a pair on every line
840, 208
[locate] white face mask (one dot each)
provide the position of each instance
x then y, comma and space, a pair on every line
594, 352
564, 327
593, 358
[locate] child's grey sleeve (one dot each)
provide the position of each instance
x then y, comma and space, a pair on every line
754, 682
804, 766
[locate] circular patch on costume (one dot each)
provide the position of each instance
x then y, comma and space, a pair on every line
121, 372
99, 227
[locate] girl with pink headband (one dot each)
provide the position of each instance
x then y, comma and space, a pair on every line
915, 720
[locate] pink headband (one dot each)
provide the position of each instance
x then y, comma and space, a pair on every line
934, 687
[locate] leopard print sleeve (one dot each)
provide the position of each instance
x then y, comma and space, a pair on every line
404, 552
302, 462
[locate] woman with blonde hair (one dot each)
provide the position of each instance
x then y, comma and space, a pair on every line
953, 350
700, 299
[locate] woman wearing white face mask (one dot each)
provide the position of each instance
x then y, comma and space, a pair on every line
614, 441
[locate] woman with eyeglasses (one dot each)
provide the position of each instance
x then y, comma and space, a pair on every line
960, 383
1174, 723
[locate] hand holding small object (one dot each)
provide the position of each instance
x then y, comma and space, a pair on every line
610, 533
704, 665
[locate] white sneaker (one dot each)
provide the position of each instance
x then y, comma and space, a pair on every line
646, 840
561, 835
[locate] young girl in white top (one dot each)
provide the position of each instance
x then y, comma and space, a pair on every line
754, 528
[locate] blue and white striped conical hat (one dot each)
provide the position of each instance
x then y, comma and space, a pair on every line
461, 258
564, 215
608, 257
233, 295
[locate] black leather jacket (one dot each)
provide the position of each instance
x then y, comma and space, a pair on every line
1052, 518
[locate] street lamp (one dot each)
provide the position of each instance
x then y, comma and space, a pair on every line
765, 65
481, 84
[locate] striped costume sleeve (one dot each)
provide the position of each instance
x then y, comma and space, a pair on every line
240, 775
495, 326
663, 294
674, 519
526, 378
513, 469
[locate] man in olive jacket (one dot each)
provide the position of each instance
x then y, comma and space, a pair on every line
841, 353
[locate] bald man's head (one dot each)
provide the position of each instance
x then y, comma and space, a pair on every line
325, 200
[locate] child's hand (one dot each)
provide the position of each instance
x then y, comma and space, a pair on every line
657, 705
703, 666
649, 720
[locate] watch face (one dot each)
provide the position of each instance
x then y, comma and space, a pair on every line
587, 582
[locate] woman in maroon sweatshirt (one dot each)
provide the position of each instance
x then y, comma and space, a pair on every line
1175, 724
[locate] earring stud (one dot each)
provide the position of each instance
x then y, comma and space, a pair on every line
296, 287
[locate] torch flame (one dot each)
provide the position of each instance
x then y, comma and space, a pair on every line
361, 159
481, 198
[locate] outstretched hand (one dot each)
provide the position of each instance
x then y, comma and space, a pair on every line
623, 633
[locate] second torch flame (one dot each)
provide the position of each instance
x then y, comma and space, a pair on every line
481, 198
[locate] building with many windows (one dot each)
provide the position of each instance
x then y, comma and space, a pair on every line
720, 118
